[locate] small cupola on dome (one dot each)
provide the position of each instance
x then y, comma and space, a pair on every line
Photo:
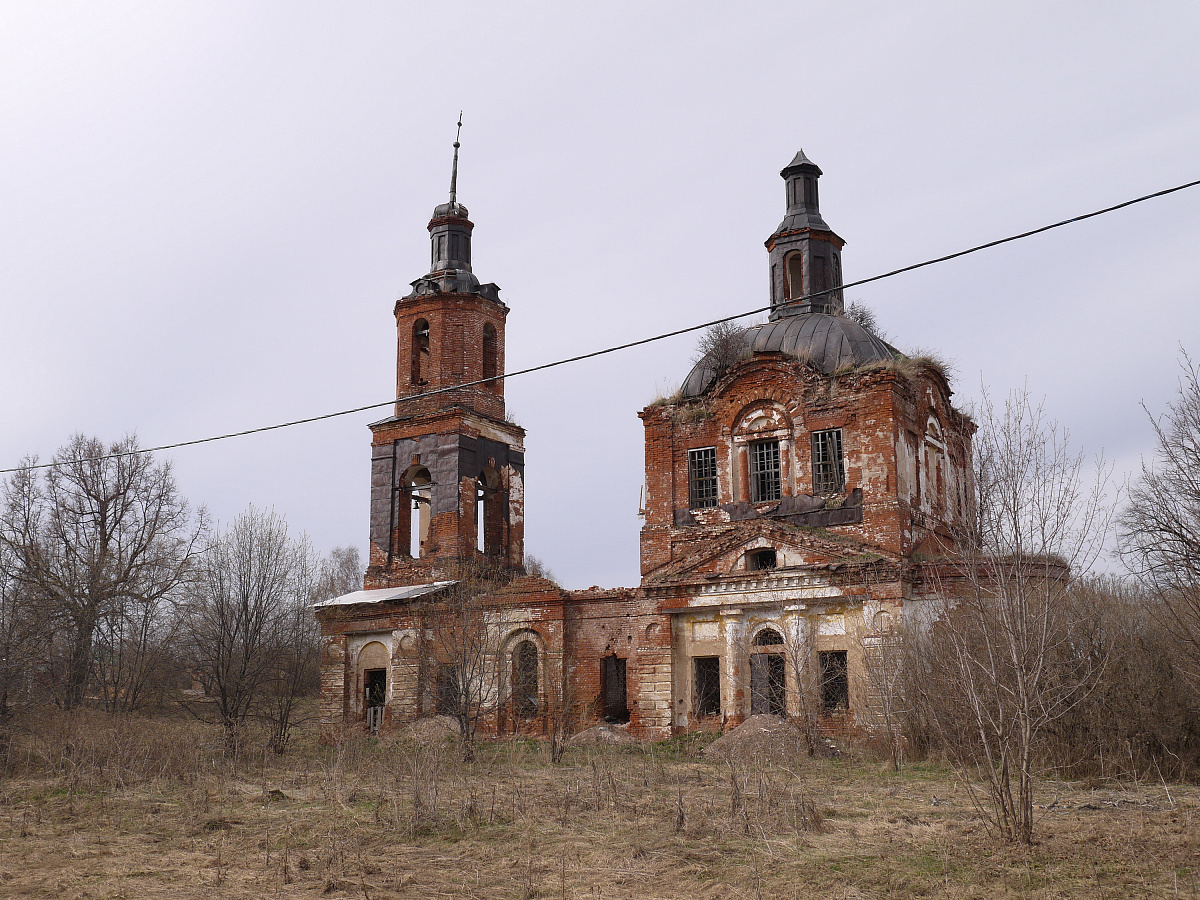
450, 246
805, 254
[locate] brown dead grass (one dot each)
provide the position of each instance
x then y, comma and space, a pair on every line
163, 814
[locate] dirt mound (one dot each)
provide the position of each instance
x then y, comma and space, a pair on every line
759, 737
603, 736
432, 729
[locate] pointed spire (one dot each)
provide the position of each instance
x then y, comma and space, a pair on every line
454, 169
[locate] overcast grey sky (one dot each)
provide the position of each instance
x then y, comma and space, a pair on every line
208, 210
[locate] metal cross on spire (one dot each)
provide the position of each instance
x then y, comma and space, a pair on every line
454, 170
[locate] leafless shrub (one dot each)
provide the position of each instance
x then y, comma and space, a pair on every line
1002, 663
721, 347
861, 314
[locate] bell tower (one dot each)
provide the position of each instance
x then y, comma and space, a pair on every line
447, 469
805, 254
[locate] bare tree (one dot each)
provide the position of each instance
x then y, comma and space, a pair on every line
23, 633
1160, 526
296, 670
102, 539
467, 629
800, 651
249, 619
1003, 656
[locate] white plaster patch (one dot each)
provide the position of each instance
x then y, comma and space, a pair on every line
831, 625
704, 631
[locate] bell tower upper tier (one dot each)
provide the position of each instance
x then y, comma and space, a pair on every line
805, 254
450, 327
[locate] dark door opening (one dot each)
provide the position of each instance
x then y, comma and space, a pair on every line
374, 696
449, 697
835, 683
768, 685
612, 679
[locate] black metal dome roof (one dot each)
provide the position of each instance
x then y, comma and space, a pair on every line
827, 341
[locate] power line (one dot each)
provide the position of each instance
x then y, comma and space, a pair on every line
626, 346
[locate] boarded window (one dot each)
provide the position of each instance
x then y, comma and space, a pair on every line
828, 473
525, 679
612, 679
835, 682
491, 355
706, 676
420, 351
454, 350
765, 474
702, 477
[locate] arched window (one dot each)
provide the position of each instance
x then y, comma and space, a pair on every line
795, 276
525, 679
491, 356
768, 637
420, 352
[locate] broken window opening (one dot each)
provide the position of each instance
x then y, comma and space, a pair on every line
612, 680
768, 684
525, 680
706, 677
835, 681
420, 352
491, 356
765, 475
702, 477
761, 560
828, 470
795, 276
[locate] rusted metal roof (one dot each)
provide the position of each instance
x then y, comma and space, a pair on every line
409, 592
827, 341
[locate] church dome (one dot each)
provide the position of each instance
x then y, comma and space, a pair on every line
828, 342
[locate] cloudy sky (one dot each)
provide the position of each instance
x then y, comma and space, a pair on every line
208, 209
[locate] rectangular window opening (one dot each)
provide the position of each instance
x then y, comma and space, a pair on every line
828, 470
702, 477
835, 681
765, 474
707, 684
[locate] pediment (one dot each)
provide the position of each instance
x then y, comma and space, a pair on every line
796, 548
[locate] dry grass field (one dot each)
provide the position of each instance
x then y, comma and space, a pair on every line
104, 808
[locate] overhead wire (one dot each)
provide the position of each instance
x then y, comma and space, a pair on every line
409, 398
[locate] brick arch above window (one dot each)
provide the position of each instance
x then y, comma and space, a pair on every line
763, 417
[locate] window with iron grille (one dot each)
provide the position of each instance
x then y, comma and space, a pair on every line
828, 476
765, 478
702, 477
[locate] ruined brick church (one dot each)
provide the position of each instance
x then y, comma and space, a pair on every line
799, 487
